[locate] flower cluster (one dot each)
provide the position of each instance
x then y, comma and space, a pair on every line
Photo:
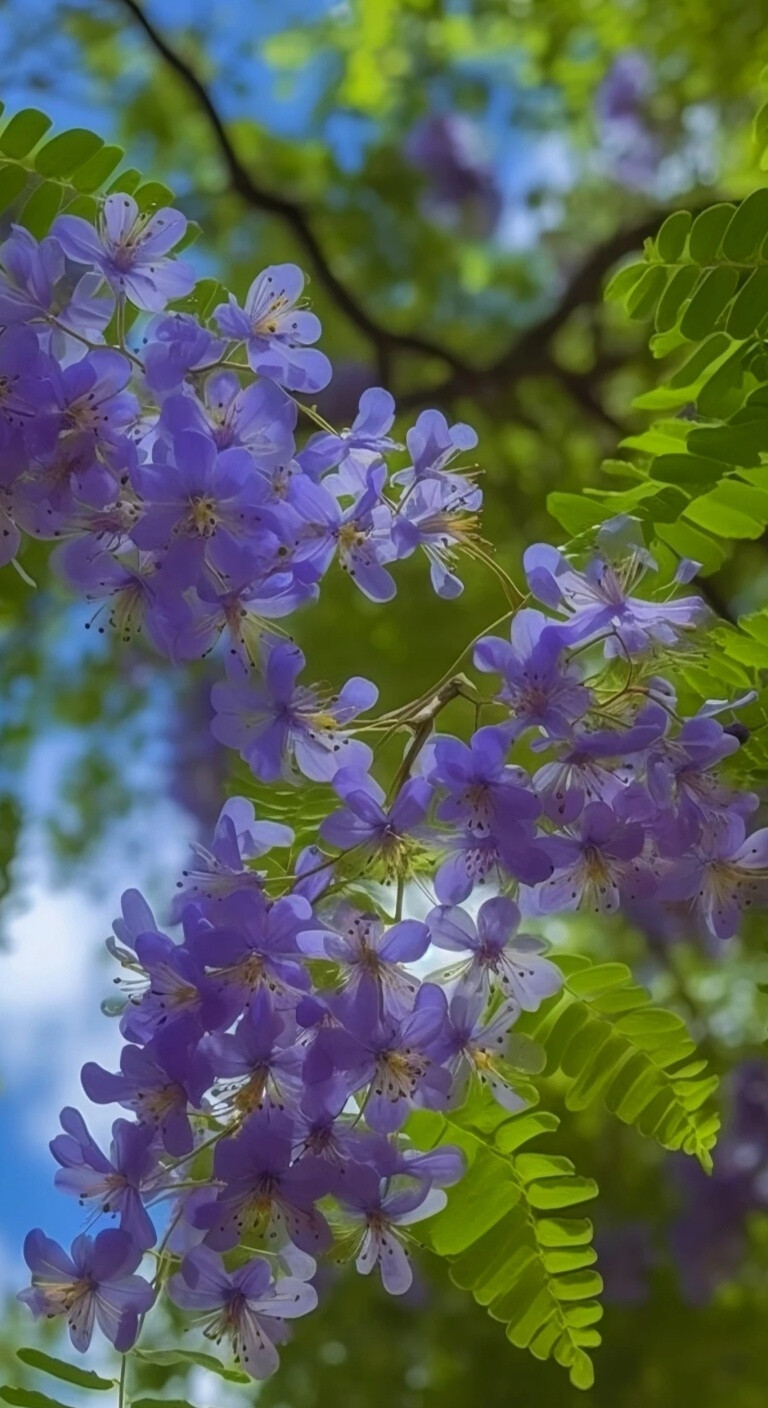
278, 1046
267, 1107
276, 1050
169, 475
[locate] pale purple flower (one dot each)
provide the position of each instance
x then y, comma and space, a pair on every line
484, 793
358, 446
93, 1284
598, 601
372, 1215
441, 516
259, 418
433, 445
223, 869
367, 954
129, 249
389, 1056
264, 1192
382, 834
159, 1081
496, 953
360, 534
485, 1052
259, 1063
725, 875
276, 723
115, 1183
246, 1306
277, 330
178, 344
599, 864
540, 687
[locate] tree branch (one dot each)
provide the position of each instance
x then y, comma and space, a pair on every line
529, 354
294, 214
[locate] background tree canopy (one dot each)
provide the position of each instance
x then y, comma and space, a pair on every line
460, 180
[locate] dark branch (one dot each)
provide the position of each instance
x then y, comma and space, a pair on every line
530, 354
292, 213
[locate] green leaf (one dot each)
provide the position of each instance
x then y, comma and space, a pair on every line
624, 281
732, 510
531, 1272
671, 239
687, 541
645, 294
13, 179
602, 1035
750, 307
23, 132
574, 511
67, 152
152, 194
40, 211
711, 298
28, 1398
93, 174
160, 1403
183, 1357
59, 1369
747, 228
677, 291
694, 471
707, 232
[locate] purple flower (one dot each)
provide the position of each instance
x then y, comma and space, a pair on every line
259, 418
472, 858
274, 722
390, 1056
481, 1052
361, 534
598, 865
597, 602
484, 792
264, 1192
94, 1283
159, 1081
178, 344
369, 955
380, 835
355, 449
248, 1305
442, 517
680, 775
129, 250
200, 506
540, 688
447, 149
91, 407
259, 1063
222, 869
432, 445
30, 273
497, 953
116, 1184
723, 876
597, 765
372, 1215
177, 991
254, 945
276, 330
